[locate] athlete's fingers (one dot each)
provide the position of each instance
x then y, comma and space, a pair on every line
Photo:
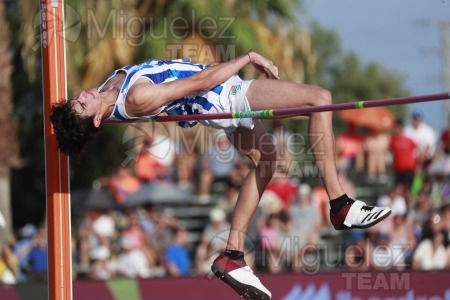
275, 72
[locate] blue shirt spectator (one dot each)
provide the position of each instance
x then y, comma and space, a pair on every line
177, 257
22, 249
39, 256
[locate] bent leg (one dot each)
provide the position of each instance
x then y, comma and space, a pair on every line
258, 146
269, 94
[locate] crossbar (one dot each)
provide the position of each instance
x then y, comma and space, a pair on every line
294, 111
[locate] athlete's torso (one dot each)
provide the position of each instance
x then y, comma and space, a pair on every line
157, 72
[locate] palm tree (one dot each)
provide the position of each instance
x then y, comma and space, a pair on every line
106, 40
268, 27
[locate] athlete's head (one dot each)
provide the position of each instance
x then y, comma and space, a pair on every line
76, 122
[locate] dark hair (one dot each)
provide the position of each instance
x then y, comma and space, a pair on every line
72, 131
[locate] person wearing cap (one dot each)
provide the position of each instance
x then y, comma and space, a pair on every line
132, 261
102, 268
423, 135
22, 249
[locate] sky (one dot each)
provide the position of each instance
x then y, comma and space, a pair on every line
387, 32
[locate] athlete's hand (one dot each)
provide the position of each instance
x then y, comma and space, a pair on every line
263, 65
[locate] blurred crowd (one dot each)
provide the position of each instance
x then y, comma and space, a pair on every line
406, 169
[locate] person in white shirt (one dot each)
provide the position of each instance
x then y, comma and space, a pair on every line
132, 261
431, 254
423, 135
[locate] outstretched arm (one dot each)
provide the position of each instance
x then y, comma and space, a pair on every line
147, 98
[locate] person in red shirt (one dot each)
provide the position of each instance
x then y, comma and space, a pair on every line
404, 151
283, 187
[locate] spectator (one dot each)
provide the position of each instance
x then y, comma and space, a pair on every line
397, 200
376, 147
161, 238
102, 267
123, 183
9, 265
382, 258
271, 235
423, 135
431, 254
177, 257
148, 167
213, 240
97, 229
404, 150
306, 223
187, 158
219, 162
132, 261
39, 255
402, 239
305, 217
349, 147
420, 213
135, 233
283, 187
22, 250
433, 225
358, 256
441, 161
103, 225
147, 219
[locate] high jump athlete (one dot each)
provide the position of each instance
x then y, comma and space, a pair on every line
182, 88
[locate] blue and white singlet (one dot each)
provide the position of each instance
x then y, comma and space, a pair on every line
226, 97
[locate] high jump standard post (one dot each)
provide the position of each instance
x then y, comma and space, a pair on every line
56, 163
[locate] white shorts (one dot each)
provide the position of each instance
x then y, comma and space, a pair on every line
231, 99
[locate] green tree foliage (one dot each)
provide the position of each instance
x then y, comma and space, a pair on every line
350, 80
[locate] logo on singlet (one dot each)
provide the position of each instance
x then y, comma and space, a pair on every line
235, 89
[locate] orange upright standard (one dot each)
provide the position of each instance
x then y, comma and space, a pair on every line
56, 163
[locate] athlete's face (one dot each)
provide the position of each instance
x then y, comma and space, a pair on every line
87, 104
